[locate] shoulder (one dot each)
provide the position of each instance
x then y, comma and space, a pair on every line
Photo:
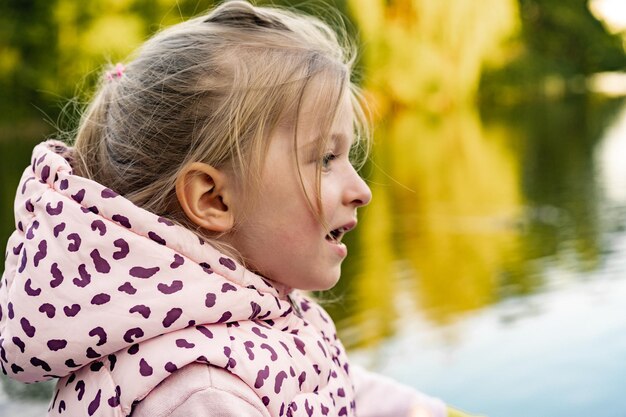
193, 390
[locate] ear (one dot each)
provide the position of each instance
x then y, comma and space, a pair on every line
204, 194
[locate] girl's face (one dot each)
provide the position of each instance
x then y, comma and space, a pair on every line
281, 237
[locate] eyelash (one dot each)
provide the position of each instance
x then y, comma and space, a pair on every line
327, 159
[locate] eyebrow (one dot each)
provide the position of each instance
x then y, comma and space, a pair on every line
334, 138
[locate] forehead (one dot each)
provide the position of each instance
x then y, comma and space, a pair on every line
325, 113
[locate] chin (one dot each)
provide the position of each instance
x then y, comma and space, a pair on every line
323, 284
316, 281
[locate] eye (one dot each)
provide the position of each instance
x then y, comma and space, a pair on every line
326, 160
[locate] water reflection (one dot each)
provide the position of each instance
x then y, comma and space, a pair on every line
557, 354
476, 212
510, 302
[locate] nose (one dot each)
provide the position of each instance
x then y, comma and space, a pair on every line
358, 193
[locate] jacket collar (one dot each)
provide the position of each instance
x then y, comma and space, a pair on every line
87, 259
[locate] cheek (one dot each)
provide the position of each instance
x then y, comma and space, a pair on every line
330, 195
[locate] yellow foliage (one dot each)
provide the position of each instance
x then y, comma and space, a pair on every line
9, 59
115, 35
117, 5
66, 13
430, 53
89, 36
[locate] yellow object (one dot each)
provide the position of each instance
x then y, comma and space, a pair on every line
453, 412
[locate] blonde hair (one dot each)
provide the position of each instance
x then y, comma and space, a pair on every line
212, 89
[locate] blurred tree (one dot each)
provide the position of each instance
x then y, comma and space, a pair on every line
566, 37
28, 50
51, 51
428, 54
47, 47
560, 43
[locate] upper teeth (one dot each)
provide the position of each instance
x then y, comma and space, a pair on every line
337, 232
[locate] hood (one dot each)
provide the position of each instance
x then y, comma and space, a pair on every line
82, 254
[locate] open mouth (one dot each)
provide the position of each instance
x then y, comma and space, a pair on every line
336, 235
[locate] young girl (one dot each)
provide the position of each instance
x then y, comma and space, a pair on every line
155, 264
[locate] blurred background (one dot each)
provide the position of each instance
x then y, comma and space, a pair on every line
490, 267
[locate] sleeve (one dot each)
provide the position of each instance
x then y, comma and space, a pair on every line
379, 396
213, 402
198, 390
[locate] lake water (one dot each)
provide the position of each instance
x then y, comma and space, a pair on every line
490, 268
558, 353
506, 295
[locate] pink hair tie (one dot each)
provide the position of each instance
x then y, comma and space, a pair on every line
117, 72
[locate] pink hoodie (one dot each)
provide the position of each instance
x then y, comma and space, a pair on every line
113, 299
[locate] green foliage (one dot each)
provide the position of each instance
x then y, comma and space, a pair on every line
52, 51
566, 37
560, 43
28, 49
48, 48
